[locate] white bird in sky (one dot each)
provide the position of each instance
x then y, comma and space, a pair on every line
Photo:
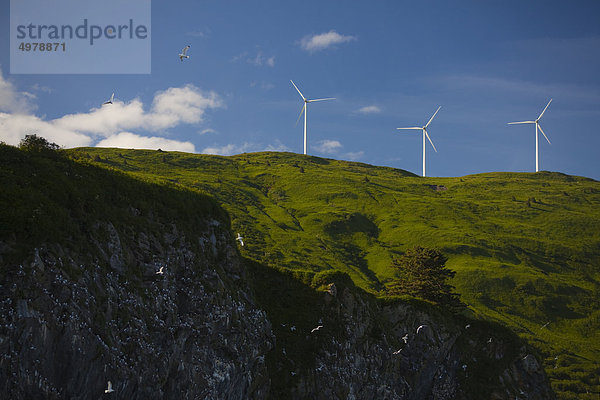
110, 101
316, 329
420, 327
405, 338
183, 53
109, 389
240, 239
467, 326
397, 352
160, 271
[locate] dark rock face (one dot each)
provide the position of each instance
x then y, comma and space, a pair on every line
373, 351
66, 328
71, 322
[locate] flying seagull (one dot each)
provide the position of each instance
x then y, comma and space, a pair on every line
316, 329
405, 338
109, 389
467, 326
183, 53
397, 352
240, 239
160, 271
420, 327
112, 97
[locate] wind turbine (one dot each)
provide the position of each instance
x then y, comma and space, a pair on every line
425, 134
304, 108
537, 126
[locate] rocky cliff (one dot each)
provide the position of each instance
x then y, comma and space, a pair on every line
137, 295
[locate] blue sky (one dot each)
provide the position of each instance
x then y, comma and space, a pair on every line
388, 63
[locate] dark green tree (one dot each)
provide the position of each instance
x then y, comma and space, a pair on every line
422, 272
37, 144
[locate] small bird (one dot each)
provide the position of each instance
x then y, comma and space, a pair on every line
316, 329
293, 328
490, 340
160, 271
240, 239
420, 327
397, 352
109, 389
110, 101
405, 338
467, 326
183, 54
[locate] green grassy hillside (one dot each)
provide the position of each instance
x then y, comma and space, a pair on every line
526, 247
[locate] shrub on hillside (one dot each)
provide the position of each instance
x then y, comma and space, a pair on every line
37, 144
422, 272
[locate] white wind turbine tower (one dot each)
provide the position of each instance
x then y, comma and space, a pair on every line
537, 126
304, 109
425, 134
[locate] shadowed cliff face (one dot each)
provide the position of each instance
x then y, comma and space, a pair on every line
85, 305
192, 332
196, 331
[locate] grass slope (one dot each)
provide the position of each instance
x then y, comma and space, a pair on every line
526, 246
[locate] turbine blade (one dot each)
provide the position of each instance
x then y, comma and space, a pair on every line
431, 119
522, 122
412, 128
301, 111
426, 134
301, 95
329, 98
544, 133
544, 109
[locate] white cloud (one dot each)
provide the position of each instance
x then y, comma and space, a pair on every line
14, 101
39, 88
263, 85
14, 127
353, 156
232, 148
176, 105
207, 131
259, 60
323, 40
328, 146
227, 150
108, 125
278, 146
369, 110
128, 140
